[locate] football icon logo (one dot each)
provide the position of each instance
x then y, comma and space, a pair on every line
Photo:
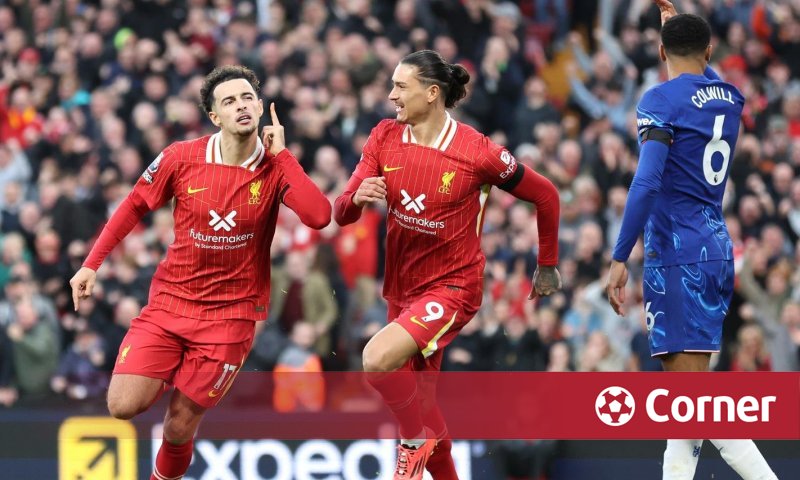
614, 406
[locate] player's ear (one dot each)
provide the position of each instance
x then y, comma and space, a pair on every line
212, 115
260, 107
433, 93
662, 54
709, 49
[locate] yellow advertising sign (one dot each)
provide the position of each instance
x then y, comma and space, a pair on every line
96, 448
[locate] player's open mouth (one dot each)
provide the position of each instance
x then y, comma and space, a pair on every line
398, 108
243, 118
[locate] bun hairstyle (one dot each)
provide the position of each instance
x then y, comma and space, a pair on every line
452, 78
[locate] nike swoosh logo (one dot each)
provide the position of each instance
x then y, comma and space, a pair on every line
414, 319
391, 169
213, 394
195, 190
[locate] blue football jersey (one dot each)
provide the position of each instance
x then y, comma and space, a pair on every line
702, 115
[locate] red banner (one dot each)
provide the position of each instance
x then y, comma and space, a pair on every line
519, 405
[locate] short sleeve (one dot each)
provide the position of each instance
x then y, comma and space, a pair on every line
496, 165
156, 185
653, 111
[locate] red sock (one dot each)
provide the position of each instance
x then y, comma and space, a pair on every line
172, 460
440, 464
399, 392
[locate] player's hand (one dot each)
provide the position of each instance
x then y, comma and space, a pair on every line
615, 289
667, 10
546, 281
82, 284
371, 190
273, 136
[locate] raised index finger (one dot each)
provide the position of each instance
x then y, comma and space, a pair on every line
275, 121
75, 297
665, 5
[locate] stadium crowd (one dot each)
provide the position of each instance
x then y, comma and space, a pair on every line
92, 91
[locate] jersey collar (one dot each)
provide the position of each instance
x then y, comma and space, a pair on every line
442, 141
214, 153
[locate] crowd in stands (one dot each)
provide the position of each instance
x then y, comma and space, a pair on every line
93, 90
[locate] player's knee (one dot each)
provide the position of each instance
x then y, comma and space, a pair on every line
374, 360
122, 408
177, 432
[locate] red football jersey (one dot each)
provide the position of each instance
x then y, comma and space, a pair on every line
218, 267
436, 198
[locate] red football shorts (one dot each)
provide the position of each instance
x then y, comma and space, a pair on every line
200, 357
434, 319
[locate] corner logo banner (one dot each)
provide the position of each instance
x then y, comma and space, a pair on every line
542, 405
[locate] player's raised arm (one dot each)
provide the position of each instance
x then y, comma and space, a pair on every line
357, 193
122, 221
365, 185
534, 188
153, 189
667, 10
500, 168
298, 191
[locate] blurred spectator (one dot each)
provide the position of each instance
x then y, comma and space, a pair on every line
113, 330
79, 374
301, 292
8, 391
13, 251
470, 350
14, 170
613, 103
560, 358
299, 384
516, 345
499, 82
750, 354
35, 349
19, 119
599, 356
21, 285
769, 300
790, 354
534, 110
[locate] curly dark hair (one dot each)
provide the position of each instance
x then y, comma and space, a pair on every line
223, 74
685, 35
